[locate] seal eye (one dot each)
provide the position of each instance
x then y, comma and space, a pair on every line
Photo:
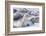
28, 25
17, 17
14, 10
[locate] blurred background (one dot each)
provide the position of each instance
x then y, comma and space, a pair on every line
25, 17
